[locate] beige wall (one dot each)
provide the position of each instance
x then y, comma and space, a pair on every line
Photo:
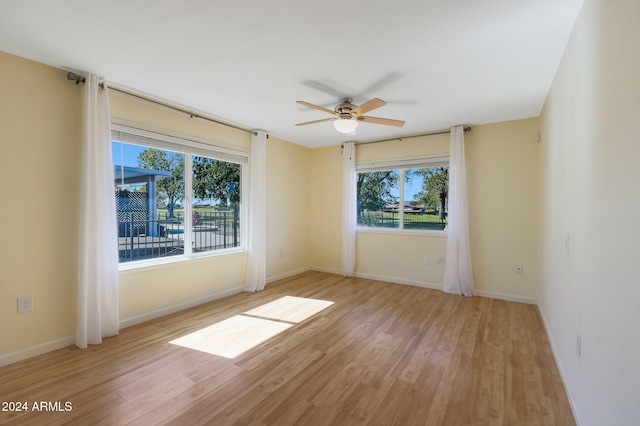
288, 208
129, 109
287, 222
588, 176
502, 175
399, 256
149, 292
153, 290
40, 149
502, 161
326, 209
39, 191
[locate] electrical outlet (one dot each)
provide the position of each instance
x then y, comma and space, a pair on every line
426, 260
25, 304
439, 260
519, 268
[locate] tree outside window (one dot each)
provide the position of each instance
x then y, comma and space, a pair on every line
404, 198
157, 219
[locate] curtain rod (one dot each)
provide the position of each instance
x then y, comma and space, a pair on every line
80, 79
399, 138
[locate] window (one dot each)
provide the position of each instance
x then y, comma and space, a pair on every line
175, 197
403, 194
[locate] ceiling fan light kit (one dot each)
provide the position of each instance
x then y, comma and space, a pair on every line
348, 115
345, 125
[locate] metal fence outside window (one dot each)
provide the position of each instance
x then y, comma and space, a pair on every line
140, 239
427, 219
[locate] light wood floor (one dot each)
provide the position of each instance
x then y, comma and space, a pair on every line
381, 354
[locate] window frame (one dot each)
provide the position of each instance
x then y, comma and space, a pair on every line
401, 165
129, 133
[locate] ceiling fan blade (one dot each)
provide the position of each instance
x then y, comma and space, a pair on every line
316, 107
368, 106
330, 88
316, 121
383, 82
378, 120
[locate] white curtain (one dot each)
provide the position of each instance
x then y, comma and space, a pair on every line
458, 276
349, 219
256, 277
98, 304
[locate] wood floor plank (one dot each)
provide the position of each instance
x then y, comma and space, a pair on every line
379, 354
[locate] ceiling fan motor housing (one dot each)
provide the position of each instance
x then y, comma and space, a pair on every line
344, 107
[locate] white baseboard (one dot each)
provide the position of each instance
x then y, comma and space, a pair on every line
287, 275
36, 350
128, 322
567, 389
327, 270
507, 297
68, 341
402, 281
424, 284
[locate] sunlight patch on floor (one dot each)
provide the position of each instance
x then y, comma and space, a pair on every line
232, 337
236, 335
290, 309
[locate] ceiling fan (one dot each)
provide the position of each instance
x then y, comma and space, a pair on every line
347, 115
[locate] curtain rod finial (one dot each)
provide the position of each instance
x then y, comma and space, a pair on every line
75, 77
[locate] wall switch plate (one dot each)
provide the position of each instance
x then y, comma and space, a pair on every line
25, 304
439, 260
426, 260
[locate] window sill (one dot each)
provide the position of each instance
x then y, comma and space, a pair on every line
151, 263
397, 231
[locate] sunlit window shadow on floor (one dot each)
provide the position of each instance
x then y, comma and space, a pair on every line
290, 309
238, 334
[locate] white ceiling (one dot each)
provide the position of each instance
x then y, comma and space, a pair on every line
437, 63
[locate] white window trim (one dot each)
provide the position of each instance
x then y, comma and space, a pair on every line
139, 135
401, 165
160, 261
